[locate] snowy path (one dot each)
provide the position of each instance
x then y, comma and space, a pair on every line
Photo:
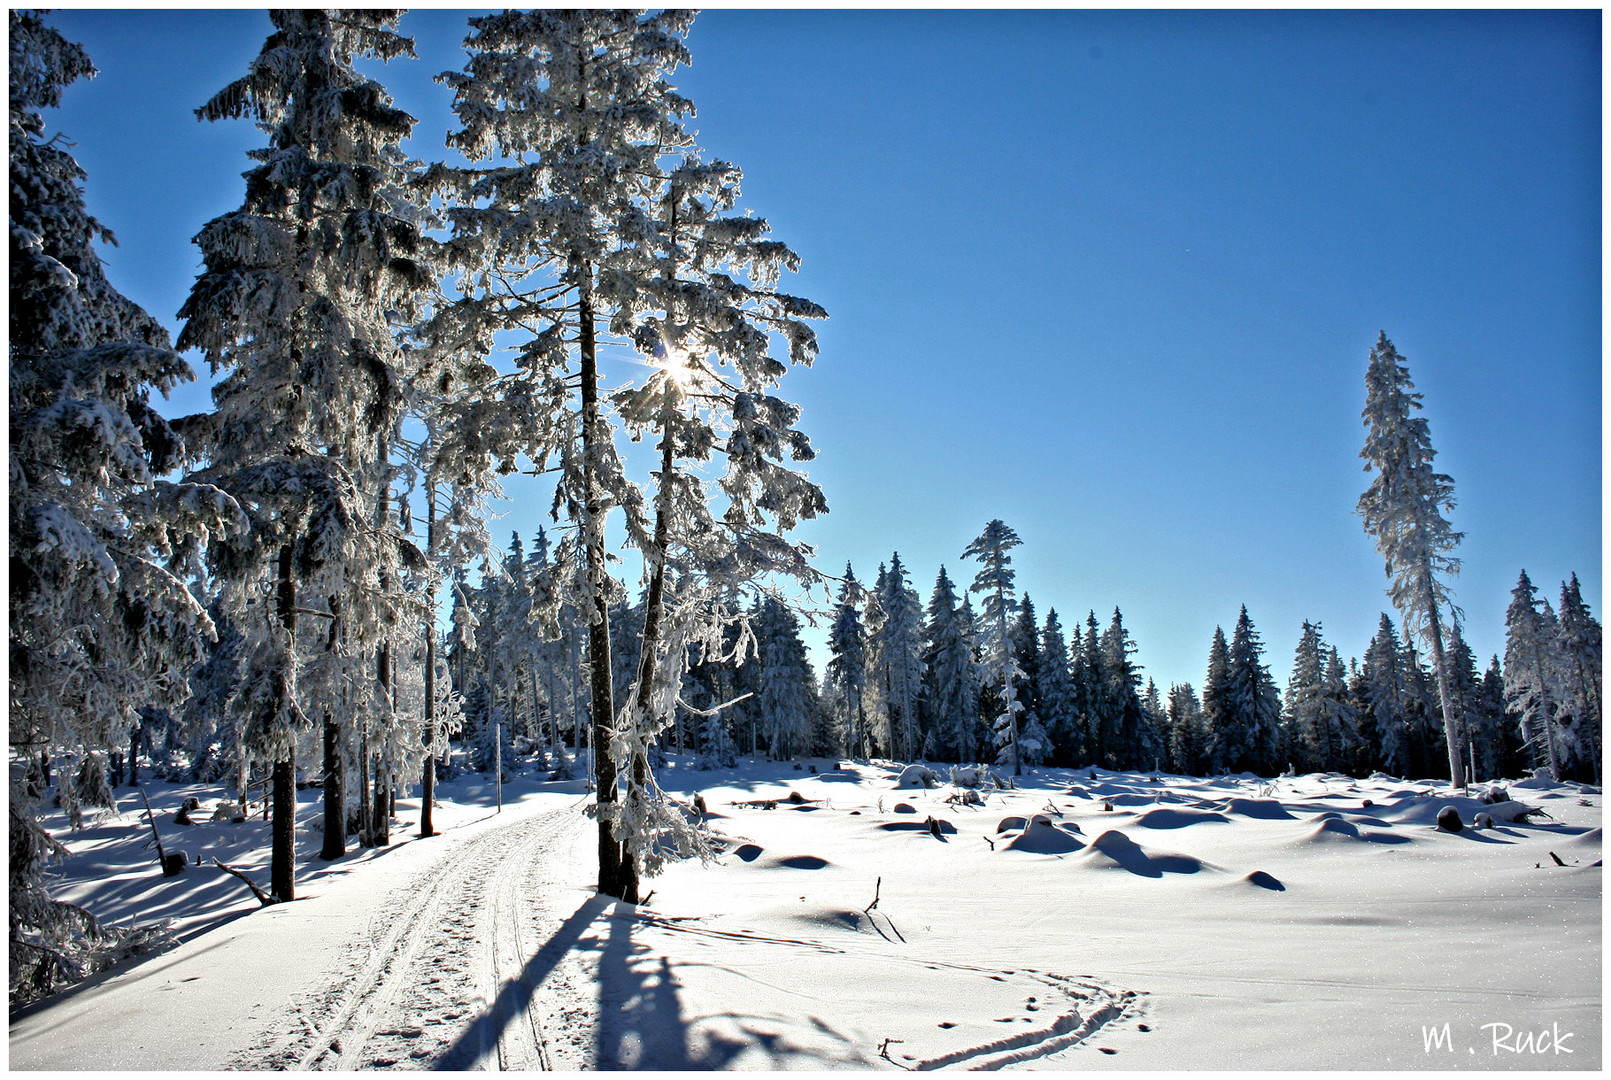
452, 943
389, 960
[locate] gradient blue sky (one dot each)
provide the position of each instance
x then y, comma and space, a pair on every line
1109, 276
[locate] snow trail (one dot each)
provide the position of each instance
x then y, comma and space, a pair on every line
445, 979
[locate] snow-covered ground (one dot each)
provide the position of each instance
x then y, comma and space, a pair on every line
1114, 920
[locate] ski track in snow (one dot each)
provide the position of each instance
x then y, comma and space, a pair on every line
445, 978
441, 981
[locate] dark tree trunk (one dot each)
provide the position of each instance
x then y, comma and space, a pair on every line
1452, 728
428, 736
283, 871
598, 630
335, 805
653, 610
335, 802
380, 819
283, 854
366, 828
382, 815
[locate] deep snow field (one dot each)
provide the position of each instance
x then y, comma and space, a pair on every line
1084, 920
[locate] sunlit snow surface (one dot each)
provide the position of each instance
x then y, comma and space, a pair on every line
1083, 920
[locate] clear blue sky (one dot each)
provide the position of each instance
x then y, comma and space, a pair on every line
1109, 276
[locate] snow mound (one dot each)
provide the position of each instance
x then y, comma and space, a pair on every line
917, 776
1011, 823
1424, 811
1262, 809
1113, 850
1165, 817
1588, 839
748, 852
1332, 829
904, 808
1262, 880
1042, 837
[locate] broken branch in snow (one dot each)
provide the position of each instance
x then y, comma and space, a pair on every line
263, 898
879, 884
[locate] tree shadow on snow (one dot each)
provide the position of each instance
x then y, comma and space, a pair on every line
481, 1037
641, 1025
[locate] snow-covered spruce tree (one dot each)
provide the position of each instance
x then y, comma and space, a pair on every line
1529, 665
1252, 704
994, 582
1055, 692
1403, 510
1186, 735
1219, 744
101, 620
1579, 656
1466, 685
1337, 711
1315, 709
847, 664
1155, 728
1384, 701
705, 320
1127, 735
1026, 654
301, 293
571, 112
1087, 672
455, 474
895, 660
786, 682
950, 692
1422, 719
1507, 746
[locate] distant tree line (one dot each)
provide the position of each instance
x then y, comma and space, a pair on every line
908, 681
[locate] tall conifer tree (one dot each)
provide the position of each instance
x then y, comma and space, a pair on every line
1404, 511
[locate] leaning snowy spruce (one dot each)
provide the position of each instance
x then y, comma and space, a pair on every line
1403, 510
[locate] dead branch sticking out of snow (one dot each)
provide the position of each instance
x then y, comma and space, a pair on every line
172, 864
263, 898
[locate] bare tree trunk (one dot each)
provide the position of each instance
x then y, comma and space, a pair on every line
335, 803
283, 848
366, 828
653, 610
598, 630
335, 806
1452, 728
428, 736
380, 819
